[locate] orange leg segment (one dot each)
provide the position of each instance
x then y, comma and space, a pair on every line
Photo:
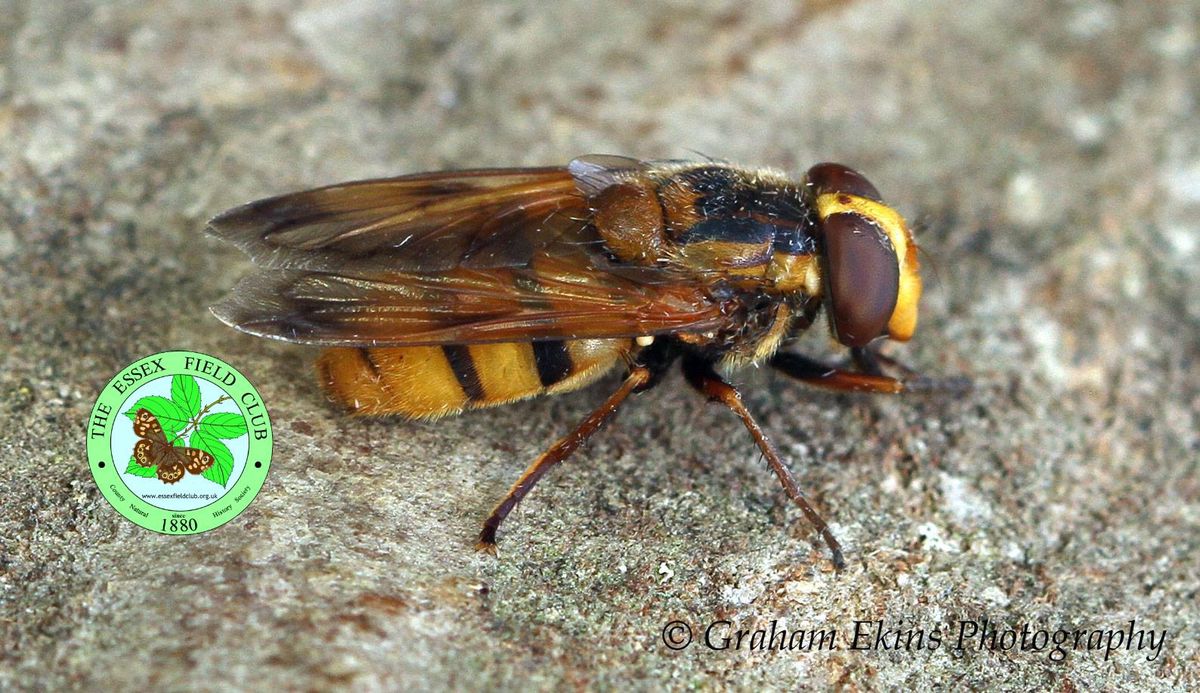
561, 450
702, 377
869, 377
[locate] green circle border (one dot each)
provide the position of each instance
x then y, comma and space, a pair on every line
107, 411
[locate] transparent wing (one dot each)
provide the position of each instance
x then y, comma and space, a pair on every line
459, 257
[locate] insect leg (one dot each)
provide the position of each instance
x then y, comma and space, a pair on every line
639, 376
701, 376
869, 378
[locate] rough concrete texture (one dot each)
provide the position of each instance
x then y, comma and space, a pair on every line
1048, 153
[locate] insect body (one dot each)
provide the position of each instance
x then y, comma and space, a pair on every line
440, 292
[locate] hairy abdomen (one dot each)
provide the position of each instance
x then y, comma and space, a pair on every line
432, 381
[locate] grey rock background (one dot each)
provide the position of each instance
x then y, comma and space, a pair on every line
1049, 154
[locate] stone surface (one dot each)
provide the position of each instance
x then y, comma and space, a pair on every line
1047, 152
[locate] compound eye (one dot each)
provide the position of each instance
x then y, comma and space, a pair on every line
829, 177
864, 277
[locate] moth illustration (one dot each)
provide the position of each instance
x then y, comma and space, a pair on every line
154, 450
438, 292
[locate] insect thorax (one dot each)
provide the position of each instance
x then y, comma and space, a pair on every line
717, 223
757, 326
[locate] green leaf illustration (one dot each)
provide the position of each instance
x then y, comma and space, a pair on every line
135, 469
186, 394
223, 425
223, 458
169, 415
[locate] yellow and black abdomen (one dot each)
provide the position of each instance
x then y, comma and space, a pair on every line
433, 381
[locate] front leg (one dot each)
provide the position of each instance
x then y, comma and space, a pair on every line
870, 376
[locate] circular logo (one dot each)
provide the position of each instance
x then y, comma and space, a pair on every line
179, 442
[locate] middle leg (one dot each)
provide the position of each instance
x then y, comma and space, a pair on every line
700, 375
638, 377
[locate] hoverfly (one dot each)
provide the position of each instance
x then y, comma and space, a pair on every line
440, 292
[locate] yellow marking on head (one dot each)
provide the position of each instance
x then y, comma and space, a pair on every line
903, 322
